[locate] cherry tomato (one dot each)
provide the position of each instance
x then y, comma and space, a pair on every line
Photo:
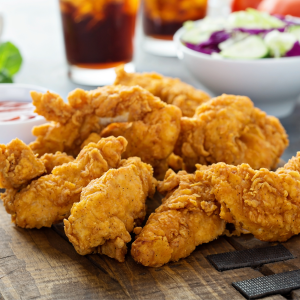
244, 4
281, 7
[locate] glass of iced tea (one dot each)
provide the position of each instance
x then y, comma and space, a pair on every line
162, 18
98, 37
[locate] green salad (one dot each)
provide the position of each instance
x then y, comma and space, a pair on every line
247, 34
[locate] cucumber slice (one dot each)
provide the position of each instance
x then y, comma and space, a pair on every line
252, 47
279, 43
295, 30
195, 36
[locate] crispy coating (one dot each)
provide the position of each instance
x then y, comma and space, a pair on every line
51, 161
8, 198
150, 126
18, 165
49, 199
197, 207
230, 129
264, 203
170, 90
175, 162
109, 209
71, 123
52, 107
188, 216
92, 138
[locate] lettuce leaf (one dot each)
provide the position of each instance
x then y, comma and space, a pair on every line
254, 19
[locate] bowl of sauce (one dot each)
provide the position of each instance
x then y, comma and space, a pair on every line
17, 116
16, 111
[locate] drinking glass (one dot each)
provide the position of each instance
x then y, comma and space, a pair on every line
162, 18
98, 36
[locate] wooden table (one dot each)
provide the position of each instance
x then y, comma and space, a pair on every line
41, 264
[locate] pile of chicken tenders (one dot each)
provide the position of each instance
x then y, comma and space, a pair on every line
99, 157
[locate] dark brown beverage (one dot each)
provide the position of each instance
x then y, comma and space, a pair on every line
160, 31
99, 38
162, 18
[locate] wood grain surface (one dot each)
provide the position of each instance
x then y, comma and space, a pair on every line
42, 264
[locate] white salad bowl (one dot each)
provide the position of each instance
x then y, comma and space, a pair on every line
273, 84
20, 128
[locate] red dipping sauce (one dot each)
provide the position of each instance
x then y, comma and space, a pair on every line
16, 111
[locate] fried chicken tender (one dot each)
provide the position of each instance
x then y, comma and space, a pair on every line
18, 165
188, 217
92, 138
109, 209
51, 161
71, 123
170, 90
150, 126
230, 129
49, 199
264, 203
261, 202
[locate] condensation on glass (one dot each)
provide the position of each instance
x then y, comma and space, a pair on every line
98, 35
